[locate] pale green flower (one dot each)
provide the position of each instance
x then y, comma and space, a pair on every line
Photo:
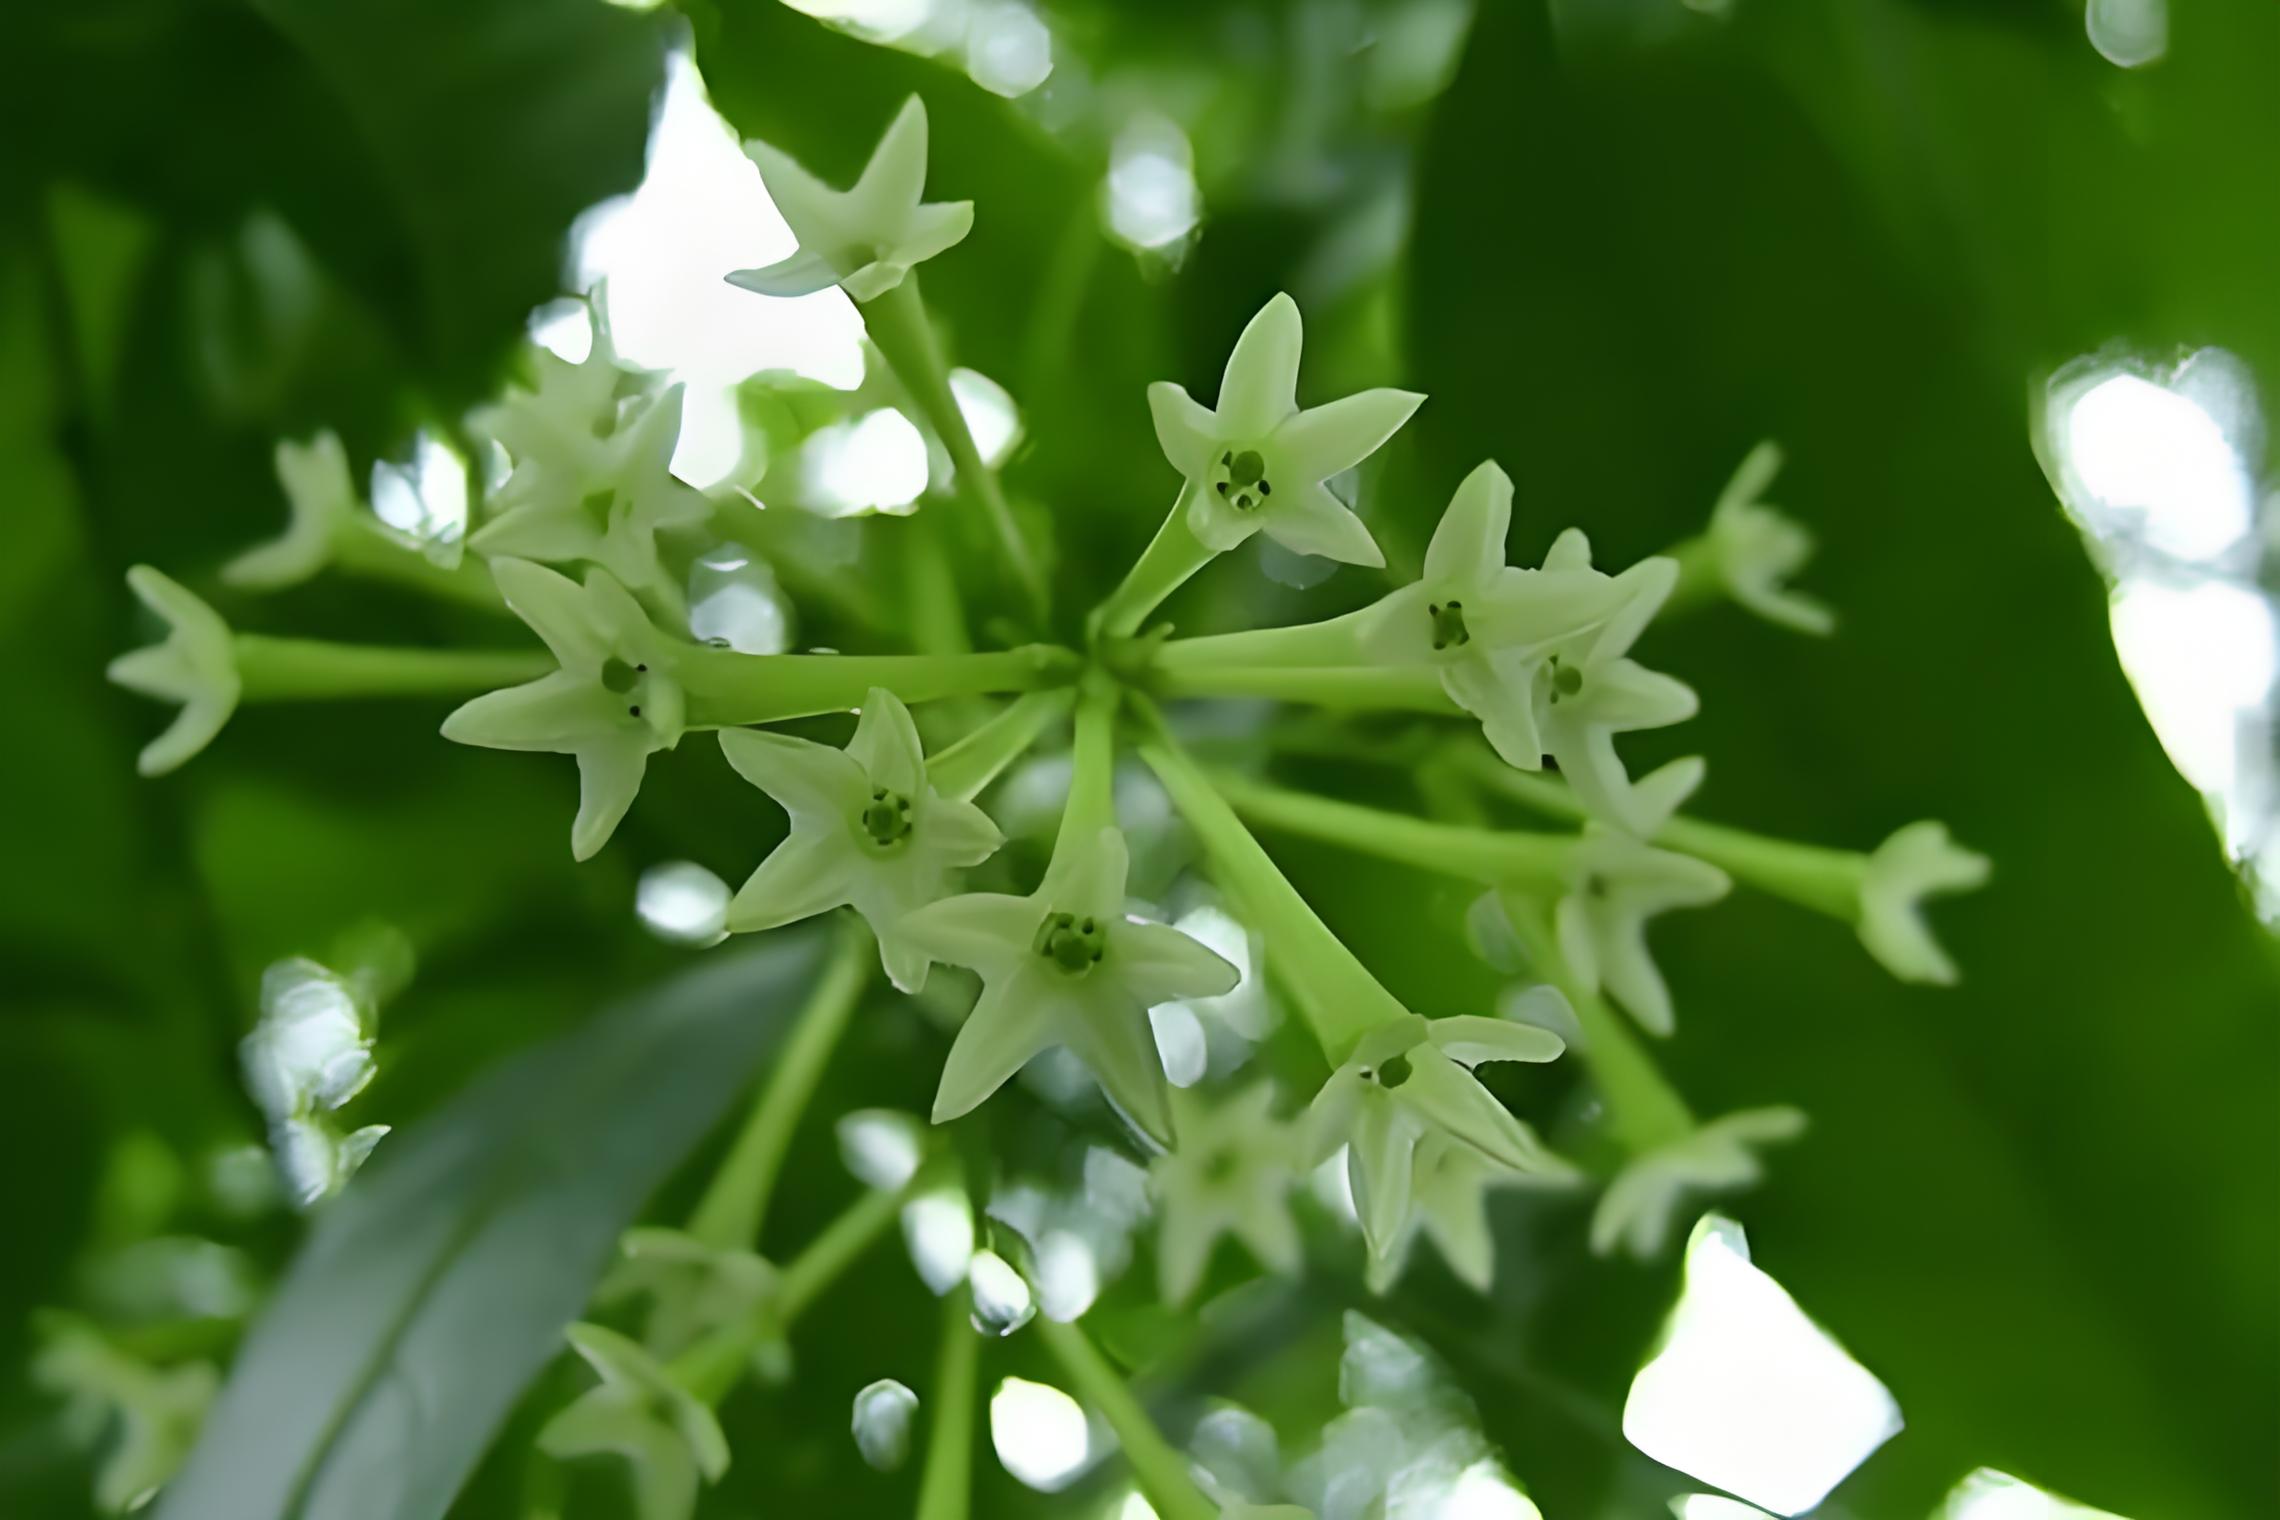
864, 239
144, 1418
314, 1159
1066, 966
196, 666
693, 1288
1410, 1078
1917, 862
613, 704
311, 1049
1618, 884
867, 830
1758, 547
884, 1413
1640, 1205
608, 512
1588, 690
323, 502
1449, 1190
1231, 1175
639, 1411
1257, 463
558, 430
1485, 626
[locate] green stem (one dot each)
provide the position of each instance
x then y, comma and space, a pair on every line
1493, 857
898, 324
1701, 576
285, 670
1375, 687
727, 689
1172, 556
365, 549
1645, 1111
1091, 803
1334, 641
730, 1213
945, 1489
1160, 1468
1340, 999
963, 769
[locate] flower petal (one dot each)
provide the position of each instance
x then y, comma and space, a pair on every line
1644, 588
1184, 1239
1186, 429
805, 875
891, 183
1396, 629
1447, 1097
1087, 876
870, 281
556, 608
1499, 689
934, 229
538, 531
886, 744
1159, 964
1110, 1033
1468, 546
609, 778
1379, 1149
956, 831
905, 964
802, 274
555, 713
988, 932
1013, 1020
1570, 551
811, 208
1322, 440
1313, 521
193, 728
1470, 1039
809, 780
1215, 524
1260, 385
1530, 612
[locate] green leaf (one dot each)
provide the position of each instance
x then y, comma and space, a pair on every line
438, 1285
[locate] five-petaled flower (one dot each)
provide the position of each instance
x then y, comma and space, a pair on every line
1757, 548
863, 239
641, 1412
1639, 1206
1065, 965
1917, 862
613, 704
1619, 884
1231, 1175
196, 666
1257, 463
867, 830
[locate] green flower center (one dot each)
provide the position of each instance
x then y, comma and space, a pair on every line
1389, 1074
1449, 631
1240, 479
1072, 943
887, 818
1221, 1166
624, 680
1567, 680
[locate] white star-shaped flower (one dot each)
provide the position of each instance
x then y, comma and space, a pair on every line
1638, 1208
1759, 547
1619, 884
1917, 862
613, 704
639, 1411
323, 503
1231, 1175
1257, 463
863, 239
693, 1288
1484, 625
1066, 966
867, 830
195, 666
1411, 1078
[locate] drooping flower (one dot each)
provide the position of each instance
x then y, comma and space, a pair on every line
1588, 690
147, 1417
1619, 884
639, 1411
1257, 463
1758, 547
613, 704
1484, 625
608, 511
323, 502
1640, 1205
1413, 1077
863, 239
1917, 862
693, 1288
1231, 1175
196, 666
1065, 965
867, 830
1449, 1190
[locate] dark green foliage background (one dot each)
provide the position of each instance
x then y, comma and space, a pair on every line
2044, 1207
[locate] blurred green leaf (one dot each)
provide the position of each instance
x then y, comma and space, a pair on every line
437, 1286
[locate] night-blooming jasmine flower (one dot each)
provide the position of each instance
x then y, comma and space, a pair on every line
693, 1287
558, 430
1066, 966
1410, 1078
1917, 862
1449, 1190
1231, 1175
1257, 463
1640, 1205
1619, 884
867, 830
610, 513
1484, 625
639, 1412
1757, 548
196, 666
323, 503
314, 1159
613, 703
863, 239
1588, 690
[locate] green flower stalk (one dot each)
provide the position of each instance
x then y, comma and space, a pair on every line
1161, 1469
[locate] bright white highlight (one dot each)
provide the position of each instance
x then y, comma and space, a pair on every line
1179, 1043
1002, 1303
1747, 1393
682, 902
940, 1234
2161, 455
1039, 1433
876, 463
1483, 1492
1714, 1507
881, 1147
699, 211
871, 20
1151, 200
989, 412
2128, 33
426, 498
1991, 1495
2202, 659
1008, 50
734, 600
